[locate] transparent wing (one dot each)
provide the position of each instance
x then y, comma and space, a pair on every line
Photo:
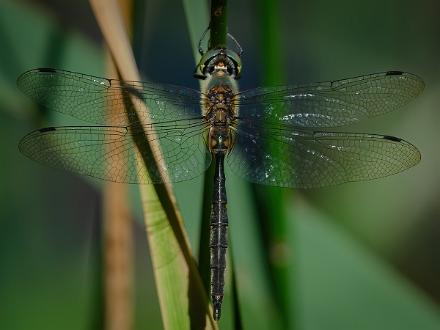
333, 103
96, 100
315, 159
108, 152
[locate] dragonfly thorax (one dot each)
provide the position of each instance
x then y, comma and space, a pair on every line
220, 96
220, 113
219, 104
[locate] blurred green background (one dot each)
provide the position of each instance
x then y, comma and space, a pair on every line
356, 256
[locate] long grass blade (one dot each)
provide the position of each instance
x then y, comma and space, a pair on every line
274, 216
197, 20
183, 300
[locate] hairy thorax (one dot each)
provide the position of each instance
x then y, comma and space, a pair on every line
220, 106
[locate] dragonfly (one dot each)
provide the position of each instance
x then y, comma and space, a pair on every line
277, 136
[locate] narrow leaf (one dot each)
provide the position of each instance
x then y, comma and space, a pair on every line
184, 303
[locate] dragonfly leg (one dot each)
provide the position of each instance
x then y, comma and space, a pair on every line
201, 51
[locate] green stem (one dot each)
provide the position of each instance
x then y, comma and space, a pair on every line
218, 24
273, 197
271, 44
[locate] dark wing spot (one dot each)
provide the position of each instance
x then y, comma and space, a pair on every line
394, 73
392, 138
46, 70
47, 129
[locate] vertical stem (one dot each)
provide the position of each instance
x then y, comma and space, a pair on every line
118, 259
218, 24
274, 197
218, 37
238, 323
118, 238
271, 43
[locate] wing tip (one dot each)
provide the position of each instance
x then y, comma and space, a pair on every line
100, 81
24, 139
417, 79
27, 72
417, 155
22, 77
22, 144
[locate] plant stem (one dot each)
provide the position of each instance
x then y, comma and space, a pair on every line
273, 197
118, 236
218, 36
218, 24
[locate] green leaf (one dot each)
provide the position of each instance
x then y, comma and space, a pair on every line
341, 285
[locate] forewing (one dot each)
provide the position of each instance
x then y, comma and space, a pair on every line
333, 103
97, 100
108, 153
305, 159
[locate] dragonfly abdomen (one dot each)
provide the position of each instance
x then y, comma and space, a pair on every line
218, 236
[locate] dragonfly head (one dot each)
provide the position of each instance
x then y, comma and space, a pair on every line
221, 62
